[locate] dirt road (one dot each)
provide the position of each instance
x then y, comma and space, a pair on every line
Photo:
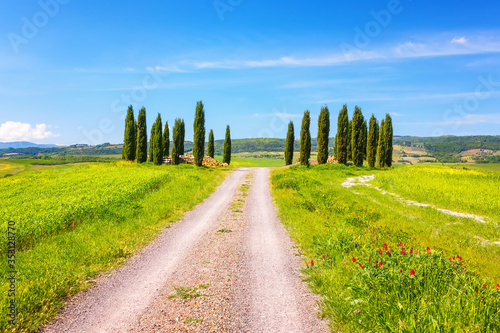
231, 259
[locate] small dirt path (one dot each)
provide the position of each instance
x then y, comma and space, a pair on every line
227, 266
364, 180
271, 288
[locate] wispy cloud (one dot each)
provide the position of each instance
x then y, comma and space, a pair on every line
461, 40
470, 119
17, 131
425, 47
412, 97
278, 115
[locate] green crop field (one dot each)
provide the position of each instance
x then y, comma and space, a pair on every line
72, 222
382, 264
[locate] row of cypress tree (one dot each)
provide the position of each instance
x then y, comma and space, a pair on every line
354, 141
135, 139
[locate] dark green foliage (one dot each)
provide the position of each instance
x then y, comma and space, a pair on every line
226, 158
335, 147
290, 139
166, 140
199, 134
151, 143
388, 140
381, 147
371, 145
176, 141
357, 137
183, 137
349, 141
211, 147
364, 131
156, 139
342, 135
323, 132
305, 139
142, 137
130, 137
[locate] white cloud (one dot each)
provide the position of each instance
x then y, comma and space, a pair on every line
461, 40
17, 131
285, 115
170, 69
427, 46
492, 118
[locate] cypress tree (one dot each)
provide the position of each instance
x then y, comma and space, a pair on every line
199, 134
183, 137
349, 141
152, 141
130, 137
335, 146
305, 140
381, 149
211, 145
158, 142
388, 140
290, 139
323, 133
166, 140
176, 141
364, 130
342, 135
226, 158
142, 137
357, 137
372, 141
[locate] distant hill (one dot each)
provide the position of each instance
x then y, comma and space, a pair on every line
449, 148
443, 148
264, 144
24, 144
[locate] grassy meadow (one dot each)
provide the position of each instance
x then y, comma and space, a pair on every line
75, 221
383, 265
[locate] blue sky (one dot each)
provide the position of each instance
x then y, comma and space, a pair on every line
70, 68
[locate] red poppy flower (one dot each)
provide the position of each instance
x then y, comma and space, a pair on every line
388, 252
412, 272
484, 286
323, 257
380, 251
400, 271
403, 250
411, 251
380, 264
428, 249
385, 246
312, 262
361, 264
353, 259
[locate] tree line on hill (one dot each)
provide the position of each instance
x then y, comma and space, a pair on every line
135, 143
355, 140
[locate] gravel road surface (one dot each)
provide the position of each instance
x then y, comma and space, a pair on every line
227, 266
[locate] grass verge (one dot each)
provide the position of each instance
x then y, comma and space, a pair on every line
381, 265
63, 264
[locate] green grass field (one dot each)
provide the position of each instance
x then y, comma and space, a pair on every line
261, 159
383, 265
73, 222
